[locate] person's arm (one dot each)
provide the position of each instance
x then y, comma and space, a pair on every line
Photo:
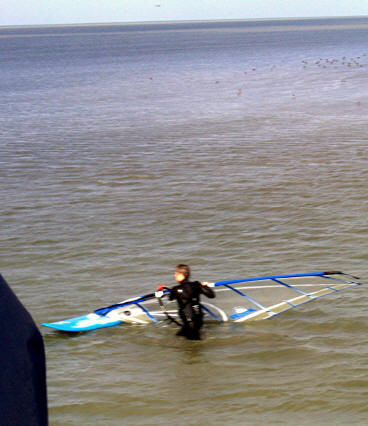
207, 291
172, 294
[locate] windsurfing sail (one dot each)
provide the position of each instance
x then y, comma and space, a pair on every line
265, 297
238, 300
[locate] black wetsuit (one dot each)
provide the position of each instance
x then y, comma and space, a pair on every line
187, 295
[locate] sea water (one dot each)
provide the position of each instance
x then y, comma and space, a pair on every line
239, 148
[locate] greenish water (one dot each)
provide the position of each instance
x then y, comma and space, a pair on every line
242, 153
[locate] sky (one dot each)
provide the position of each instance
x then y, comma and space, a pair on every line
48, 12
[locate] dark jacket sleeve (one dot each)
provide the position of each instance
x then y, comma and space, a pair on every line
172, 294
23, 400
207, 291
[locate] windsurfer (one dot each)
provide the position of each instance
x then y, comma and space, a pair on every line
187, 294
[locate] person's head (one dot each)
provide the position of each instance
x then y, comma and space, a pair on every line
182, 273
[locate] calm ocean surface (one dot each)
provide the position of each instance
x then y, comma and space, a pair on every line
237, 147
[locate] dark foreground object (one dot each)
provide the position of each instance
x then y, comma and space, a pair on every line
23, 399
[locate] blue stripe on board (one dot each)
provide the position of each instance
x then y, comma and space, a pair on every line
243, 314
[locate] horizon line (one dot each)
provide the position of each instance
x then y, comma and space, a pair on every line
185, 21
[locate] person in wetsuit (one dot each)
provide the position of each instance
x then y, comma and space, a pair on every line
187, 294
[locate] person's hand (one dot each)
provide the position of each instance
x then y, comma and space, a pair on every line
205, 283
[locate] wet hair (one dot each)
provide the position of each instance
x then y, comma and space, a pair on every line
183, 269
